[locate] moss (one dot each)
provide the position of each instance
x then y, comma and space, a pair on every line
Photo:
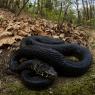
79, 88
17, 88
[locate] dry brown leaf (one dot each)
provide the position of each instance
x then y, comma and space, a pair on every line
22, 33
5, 34
13, 29
7, 40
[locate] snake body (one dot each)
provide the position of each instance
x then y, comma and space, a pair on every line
31, 63
43, 46
52, 52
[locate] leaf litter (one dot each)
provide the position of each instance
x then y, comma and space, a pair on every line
14, 28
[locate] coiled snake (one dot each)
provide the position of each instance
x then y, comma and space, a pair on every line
52, 52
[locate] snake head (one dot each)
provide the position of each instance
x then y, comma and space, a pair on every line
43, 69
50, 73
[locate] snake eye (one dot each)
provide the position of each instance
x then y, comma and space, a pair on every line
42, 74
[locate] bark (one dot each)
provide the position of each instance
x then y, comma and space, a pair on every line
84, 10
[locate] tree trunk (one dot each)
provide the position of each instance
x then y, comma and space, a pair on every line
78, 11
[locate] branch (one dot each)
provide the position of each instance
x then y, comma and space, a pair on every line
22, 8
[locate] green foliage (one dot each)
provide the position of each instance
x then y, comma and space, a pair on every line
52, 14
71, 16
49, 4
91, 22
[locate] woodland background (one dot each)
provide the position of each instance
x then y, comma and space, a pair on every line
80, 12
72, 21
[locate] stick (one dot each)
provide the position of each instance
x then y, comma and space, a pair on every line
22, 8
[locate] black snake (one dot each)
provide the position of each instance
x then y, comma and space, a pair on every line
53, 52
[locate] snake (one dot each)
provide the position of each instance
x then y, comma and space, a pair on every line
39, 67
70, 67
52, 53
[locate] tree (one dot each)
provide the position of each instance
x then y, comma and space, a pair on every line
78, 11
49, 4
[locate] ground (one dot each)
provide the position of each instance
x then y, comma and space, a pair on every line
11, 84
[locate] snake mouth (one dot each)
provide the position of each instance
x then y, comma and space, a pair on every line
51, 73
48, 73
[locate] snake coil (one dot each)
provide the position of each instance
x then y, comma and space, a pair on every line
53, 52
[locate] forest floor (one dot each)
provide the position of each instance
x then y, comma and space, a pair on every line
13, 29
